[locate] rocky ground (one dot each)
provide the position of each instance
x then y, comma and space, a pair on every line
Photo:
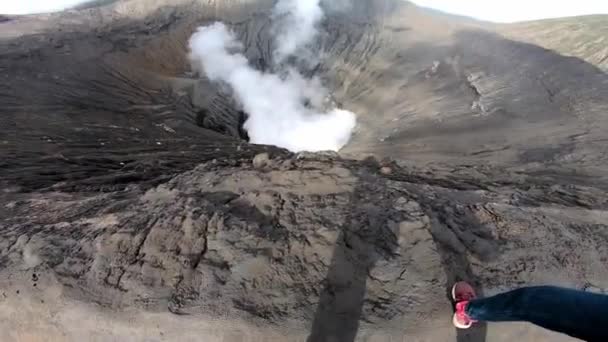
133, 208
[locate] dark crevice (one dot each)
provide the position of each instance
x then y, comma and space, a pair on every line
230, 124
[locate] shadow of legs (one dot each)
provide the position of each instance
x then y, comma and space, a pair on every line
341, 302
457, 268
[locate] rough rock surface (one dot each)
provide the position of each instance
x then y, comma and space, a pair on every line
319, 240
132, 207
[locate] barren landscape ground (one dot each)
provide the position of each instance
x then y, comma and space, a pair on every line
131, 207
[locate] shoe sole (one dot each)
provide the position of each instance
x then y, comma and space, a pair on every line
454, 294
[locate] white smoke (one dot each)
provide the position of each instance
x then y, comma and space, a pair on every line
296, 25
284, 109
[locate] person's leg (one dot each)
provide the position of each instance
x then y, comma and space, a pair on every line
576, 313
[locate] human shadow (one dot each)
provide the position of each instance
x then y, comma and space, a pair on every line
457, 233
365, 238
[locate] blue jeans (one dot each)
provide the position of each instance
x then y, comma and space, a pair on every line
579, 314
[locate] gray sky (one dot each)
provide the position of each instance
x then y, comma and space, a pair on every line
517, 10
492, 10
35, 6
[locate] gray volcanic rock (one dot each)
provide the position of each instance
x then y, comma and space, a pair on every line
133, 207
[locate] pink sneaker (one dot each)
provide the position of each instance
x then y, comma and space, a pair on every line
462, 293
461, 319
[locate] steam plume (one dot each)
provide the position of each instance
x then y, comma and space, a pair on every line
285, 109
296, 25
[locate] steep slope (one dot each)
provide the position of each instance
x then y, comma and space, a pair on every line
582, 37
129, 188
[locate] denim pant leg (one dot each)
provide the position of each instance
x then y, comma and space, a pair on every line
579, 314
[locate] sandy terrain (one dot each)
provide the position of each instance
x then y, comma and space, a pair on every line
131, 208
